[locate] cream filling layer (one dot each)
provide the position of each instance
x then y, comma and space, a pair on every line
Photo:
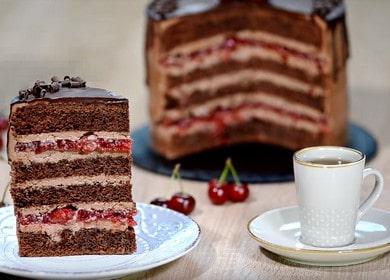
69, 135
242, 53
54, 230
61, 182
55, 156
212, 84
239, 99
246, 115
245, 34
85, 206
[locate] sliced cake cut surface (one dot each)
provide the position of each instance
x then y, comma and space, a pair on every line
276, 75
70, 155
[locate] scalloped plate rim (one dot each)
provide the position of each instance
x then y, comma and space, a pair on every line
104, 274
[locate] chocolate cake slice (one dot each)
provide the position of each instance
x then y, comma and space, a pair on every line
222, 72
70, 155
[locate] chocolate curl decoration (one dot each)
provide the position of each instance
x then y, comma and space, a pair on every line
323, 7
162, 7
40, 88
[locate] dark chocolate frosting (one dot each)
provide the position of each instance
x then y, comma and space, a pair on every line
68, 88
329, 10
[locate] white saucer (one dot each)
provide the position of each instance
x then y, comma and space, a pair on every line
163, 235
278, 231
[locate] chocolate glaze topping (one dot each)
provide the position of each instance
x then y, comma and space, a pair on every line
69, 87
329, 10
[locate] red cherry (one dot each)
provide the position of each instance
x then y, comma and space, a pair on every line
162, 202
3, 123
83, 215
237, 193
217, 193
61, 215
182, 202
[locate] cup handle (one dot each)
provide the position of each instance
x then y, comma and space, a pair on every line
374, 195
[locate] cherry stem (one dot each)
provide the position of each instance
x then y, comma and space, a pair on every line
176, 175
230, 165
224, 174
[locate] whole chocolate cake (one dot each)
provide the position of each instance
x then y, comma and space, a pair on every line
226, 72
70, 156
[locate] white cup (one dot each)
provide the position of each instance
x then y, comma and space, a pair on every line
329, 195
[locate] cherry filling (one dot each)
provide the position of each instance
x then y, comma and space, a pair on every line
223, 117
84, 145
232, 43
72, 214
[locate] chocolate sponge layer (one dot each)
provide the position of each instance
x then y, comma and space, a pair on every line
255, 131
45, 116
254, 63
65, 168
34, 196
249, 87
82, 242
231, 19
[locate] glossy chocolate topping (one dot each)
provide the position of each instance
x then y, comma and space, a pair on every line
68, 88
330, 10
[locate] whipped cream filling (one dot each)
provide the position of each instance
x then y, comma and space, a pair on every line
54, 230
28, 157
201, 55
246, 34
212, 84
245, 115
61, 182
85, 206
240, 99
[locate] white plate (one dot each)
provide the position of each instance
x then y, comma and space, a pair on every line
278, 231
162, 236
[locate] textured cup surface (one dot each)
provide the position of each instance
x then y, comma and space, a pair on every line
328, 195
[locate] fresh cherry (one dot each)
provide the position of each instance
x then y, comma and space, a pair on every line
3, 123
182, 202
217, 192
237, 193
160, 201
220, 191
61, 215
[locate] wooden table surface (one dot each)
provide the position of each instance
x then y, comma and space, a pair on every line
226, 251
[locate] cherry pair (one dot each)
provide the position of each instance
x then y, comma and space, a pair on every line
220, 190
181, 202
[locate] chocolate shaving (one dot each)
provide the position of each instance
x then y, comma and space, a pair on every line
324, 7
163, 7
40, 88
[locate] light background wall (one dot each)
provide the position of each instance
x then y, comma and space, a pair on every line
102, 41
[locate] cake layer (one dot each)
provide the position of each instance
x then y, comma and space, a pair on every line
234, 105
226, 85
249, 88
82, 242
64, 168
254, 131
243, 50
52, 147
44, 116
81, 192
185, 29
215, 83
54, 219
101, 179
254, 63
45, 209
